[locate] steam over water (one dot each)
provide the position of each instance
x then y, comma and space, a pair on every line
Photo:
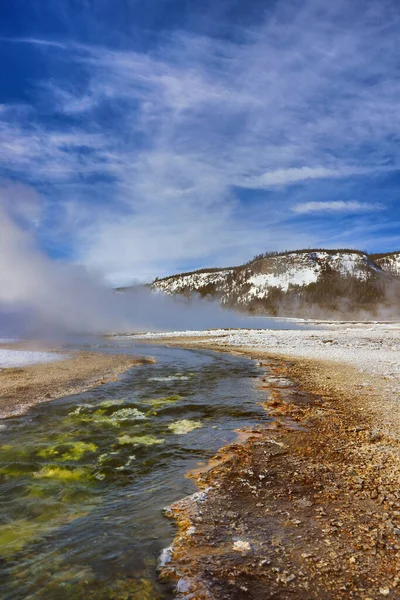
84, 479
47, 298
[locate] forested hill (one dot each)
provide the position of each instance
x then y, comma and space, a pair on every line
302, 282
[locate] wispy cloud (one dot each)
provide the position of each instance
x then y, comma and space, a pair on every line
33, 41
171, 138
284, 177
337, 206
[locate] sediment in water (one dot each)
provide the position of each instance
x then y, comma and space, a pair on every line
308, 510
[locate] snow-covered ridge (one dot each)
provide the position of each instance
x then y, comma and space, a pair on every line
194, 281
258, 279
302, 269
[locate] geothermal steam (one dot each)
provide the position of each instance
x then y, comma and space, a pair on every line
41, 296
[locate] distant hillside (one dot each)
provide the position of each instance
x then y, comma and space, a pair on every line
308, 282
390, 262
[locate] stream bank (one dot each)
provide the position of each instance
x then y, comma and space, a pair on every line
23, 387
309, 510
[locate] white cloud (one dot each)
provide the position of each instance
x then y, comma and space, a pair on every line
337, 206
34, 41
282, 177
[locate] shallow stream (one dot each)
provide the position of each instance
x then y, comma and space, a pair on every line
84, 479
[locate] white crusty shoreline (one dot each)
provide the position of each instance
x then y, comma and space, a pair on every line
371, 347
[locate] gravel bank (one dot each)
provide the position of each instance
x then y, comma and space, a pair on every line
22, 387
310, 508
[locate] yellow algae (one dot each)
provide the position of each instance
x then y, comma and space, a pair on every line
49, 452
12, 471
143, 589
58, 440
79, 410
14, 535
77, 450
99, 412
140, 440
45, 489
109, 403
161, 402
79, 497
63, 581
40, 491
98, 417
63, 474
83, 585
19, 532
103, 458
184, 426
69, 451
10, 453
101, 419
47, 510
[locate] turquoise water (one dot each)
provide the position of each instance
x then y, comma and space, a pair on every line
84, 479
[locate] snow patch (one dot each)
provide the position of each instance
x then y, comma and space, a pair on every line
261, 283
22, 358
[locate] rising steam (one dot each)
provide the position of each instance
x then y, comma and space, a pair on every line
41, 296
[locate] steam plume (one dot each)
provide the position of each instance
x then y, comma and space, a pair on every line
41, 296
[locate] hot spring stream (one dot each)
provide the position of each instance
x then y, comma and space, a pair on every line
84, 479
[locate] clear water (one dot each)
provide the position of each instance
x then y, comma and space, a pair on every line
84, 479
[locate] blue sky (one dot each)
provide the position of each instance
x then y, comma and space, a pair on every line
145, 138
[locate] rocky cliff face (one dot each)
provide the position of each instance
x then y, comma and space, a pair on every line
291, 282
